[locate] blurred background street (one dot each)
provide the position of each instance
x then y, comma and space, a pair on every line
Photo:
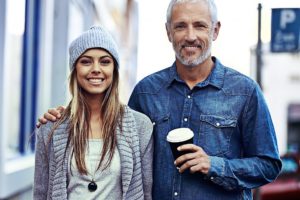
258, 38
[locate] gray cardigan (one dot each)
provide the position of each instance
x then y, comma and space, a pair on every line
135, 145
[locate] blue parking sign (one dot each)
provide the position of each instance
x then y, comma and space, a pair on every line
285, 35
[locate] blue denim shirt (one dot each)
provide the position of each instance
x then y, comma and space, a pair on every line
231, 122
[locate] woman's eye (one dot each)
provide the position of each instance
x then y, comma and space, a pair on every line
85, 61
105, 61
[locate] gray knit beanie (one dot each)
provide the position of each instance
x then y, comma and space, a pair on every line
95, 37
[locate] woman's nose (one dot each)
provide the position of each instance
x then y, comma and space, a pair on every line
96, 67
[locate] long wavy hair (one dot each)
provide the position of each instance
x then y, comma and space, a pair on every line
78, 115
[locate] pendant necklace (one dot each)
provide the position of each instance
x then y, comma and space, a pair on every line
92, 186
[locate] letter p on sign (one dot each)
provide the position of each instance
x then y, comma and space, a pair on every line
287, 16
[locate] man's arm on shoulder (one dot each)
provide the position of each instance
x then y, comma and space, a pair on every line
52, 115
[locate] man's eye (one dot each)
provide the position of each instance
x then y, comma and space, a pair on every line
200, 26
178, 27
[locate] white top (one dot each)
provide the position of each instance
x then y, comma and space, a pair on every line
108, 181
180, 135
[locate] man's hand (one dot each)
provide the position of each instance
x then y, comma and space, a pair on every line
197, 161
53, 114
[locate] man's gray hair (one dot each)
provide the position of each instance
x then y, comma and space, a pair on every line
211, 6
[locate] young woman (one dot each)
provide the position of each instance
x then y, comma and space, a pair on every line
99, 148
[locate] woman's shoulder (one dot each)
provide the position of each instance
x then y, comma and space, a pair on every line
139, 118
45, 129
144, 126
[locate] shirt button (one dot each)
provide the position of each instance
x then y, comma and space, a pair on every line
185, 119
175, 193
189, 96
218, 124
211, 178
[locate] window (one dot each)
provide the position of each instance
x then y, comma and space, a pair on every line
14, 31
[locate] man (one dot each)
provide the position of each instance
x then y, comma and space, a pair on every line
235, 147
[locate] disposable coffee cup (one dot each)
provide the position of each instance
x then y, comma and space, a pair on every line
178, 137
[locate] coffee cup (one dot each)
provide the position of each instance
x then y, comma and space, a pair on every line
178, 137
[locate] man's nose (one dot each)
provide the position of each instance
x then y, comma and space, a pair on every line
191, 34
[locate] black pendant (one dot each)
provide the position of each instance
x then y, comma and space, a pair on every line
92, 186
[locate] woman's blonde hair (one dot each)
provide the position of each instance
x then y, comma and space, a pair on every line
78, 115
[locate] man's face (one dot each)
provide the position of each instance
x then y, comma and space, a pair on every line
191, 32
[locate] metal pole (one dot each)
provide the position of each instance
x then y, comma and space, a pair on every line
259, 49
258, 71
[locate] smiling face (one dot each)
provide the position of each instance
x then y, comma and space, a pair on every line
191, 32
95, 72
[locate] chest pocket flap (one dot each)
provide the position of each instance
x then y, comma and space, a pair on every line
218, 121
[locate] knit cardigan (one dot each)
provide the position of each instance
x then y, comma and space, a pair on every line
135, 145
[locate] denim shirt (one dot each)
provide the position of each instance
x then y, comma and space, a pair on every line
231, 122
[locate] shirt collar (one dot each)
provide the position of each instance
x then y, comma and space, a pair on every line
215, 78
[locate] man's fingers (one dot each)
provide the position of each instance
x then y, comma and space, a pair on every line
48, 116
60, 109
184, 158
187, 165
202, 166
41, 121
53, 113
38, 124
191, 151
188, 147
196, 161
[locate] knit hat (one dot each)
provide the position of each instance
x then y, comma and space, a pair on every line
95, 37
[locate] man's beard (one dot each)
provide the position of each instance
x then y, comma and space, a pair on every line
199, 60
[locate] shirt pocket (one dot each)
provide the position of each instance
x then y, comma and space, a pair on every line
215, 133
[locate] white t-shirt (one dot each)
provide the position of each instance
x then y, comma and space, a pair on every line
109, 186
